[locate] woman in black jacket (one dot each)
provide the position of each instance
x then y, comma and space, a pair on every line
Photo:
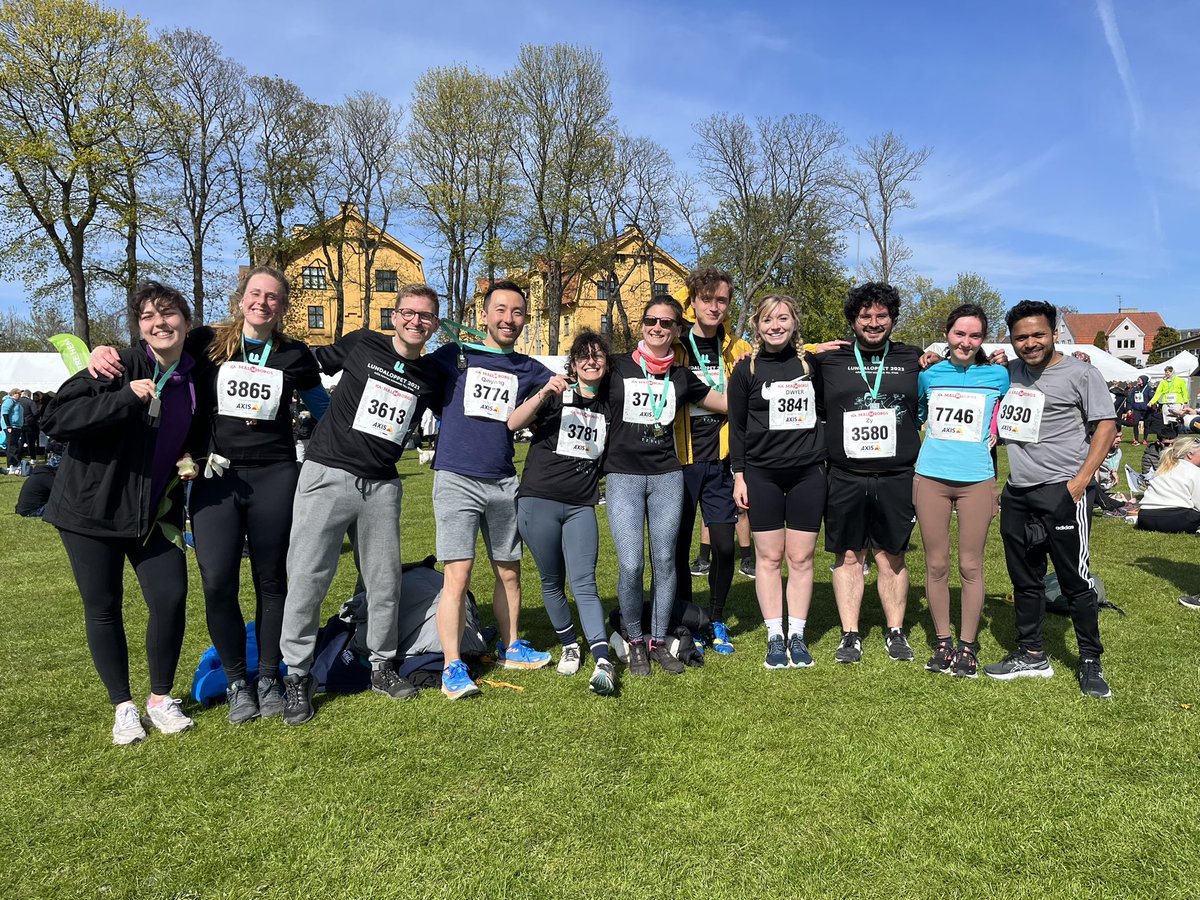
116, 496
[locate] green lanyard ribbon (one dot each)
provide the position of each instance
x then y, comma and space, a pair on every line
719, 384
862, 370
160, 383
658, 407
262, 361
451, 328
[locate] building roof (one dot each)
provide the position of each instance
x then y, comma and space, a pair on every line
1085, 326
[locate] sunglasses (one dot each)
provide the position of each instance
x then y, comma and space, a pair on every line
650, 321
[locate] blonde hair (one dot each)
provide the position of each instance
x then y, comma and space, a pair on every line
1177, 453
227, 335
768, 304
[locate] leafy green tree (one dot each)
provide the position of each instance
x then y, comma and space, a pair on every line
1100, 340
926, 307
1164, 337
69, 90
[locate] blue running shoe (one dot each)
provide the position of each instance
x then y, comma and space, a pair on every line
719, 637
798, 655
698, 643
456, 681
520, 655
777, 657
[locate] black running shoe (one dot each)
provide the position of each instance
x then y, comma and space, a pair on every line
700, 567
1091, 679
897, 646
386, 680
1192, 602
1020, 664
639, 659
746, 566
850, 649
965, 664
297, 699
661, 653
943, 657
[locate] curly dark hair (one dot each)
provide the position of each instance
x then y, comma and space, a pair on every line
163, 297
1029, 308
867, 295
586, 343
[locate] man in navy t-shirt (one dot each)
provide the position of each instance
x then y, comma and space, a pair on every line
475, 482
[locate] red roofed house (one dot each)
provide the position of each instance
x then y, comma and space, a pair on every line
1130, 333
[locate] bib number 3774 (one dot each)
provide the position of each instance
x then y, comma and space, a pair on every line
489, 394
869, 433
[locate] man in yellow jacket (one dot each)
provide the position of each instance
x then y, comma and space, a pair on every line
710, 349
1172, 394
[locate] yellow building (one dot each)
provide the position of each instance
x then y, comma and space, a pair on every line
623, 266
313, 314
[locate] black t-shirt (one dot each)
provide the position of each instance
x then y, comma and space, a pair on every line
262, 442
381, 390
755, 399
706, 426
573, 479
636, 446
847, 388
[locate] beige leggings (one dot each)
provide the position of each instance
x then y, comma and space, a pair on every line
976, 505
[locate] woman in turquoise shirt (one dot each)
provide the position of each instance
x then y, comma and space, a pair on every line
957, 403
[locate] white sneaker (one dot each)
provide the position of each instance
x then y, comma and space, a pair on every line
619, 648
168, 716
568, 663
127, 726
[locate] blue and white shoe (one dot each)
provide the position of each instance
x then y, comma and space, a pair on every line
719, 638
456, 681
777, 657
798, 655
521, 655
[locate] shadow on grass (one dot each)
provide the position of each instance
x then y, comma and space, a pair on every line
1185, 576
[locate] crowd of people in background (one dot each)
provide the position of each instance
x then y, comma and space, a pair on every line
863, 438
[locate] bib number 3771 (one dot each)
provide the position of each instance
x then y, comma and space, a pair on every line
869, 433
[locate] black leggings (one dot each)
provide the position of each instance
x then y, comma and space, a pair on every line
256, 503
1169, 521
99, 567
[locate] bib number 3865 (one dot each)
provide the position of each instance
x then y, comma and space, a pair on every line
247, 391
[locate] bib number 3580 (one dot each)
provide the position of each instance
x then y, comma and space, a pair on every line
869, 433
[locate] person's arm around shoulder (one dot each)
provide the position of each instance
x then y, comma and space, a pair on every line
85, 403
527, 412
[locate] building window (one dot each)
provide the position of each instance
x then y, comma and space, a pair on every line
385, 281
605, 324
566, 326
660, 289
316, 317
606, 290
313, 278
385, 317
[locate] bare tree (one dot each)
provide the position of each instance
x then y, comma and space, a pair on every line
768, 179
562, 134
876, 189
689, 204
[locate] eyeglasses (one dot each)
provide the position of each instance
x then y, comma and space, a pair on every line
408, 315
650, 321
593, 355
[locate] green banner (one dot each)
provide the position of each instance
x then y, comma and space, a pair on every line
74, 352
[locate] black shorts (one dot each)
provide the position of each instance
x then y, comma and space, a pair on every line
869, 510
710, 484
793, 497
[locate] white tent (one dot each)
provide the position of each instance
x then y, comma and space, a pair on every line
32, 371
1183, 363
1110, 367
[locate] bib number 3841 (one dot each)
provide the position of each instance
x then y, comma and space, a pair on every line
384, 411
581, 434
869, 433
793, 405
247, 391
1020, 415
489, 394
955, 416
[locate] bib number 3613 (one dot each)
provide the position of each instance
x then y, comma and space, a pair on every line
869, 433
247, 391
384, 411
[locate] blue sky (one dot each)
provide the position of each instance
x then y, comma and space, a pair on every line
1064, 132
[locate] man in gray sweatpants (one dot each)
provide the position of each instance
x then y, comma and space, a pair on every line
349, 480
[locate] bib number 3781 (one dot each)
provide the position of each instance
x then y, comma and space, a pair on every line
581, 434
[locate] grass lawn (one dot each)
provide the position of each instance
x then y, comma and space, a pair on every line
876, 780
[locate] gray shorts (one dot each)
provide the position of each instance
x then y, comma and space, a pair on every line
463, 505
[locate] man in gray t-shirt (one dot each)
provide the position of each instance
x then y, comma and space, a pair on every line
1044, 420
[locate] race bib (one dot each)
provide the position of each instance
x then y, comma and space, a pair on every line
490, 395
639, 408
1020, 415
695, 409
247, 391
793, 405
384, 411
582, 434
869, 433
955, 416
1170, 398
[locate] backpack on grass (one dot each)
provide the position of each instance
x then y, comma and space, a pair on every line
1056, 603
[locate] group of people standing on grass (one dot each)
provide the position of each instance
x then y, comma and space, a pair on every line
693, 417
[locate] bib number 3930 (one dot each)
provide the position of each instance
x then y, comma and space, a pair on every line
489, 394
793, 405
955, 416
1019, 418
581, 434
384, 411
247, 391
869, 433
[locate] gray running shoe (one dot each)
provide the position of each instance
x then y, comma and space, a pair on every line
168, 716
568, 662
1192, 602
1020, 664
850, 649
297, 699
270, 697
661, 653
243, 703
